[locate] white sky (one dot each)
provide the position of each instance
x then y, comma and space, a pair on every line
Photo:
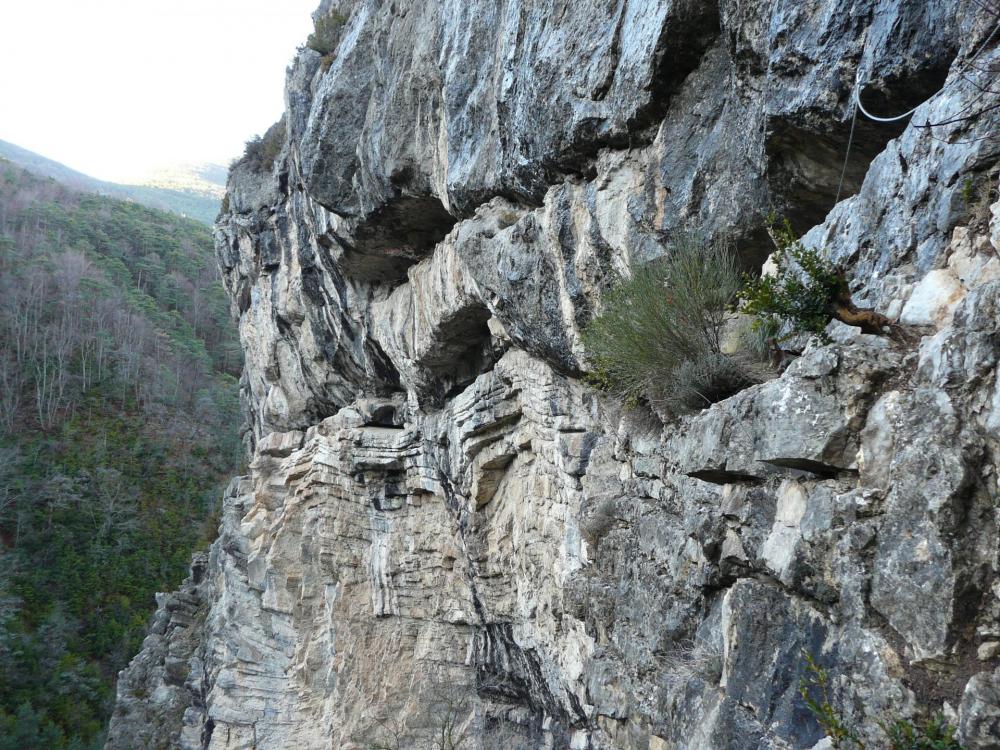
114, 88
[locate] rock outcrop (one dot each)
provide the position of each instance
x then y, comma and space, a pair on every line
446, 531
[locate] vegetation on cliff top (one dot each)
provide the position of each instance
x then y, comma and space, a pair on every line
118, 409
262, 151
326, 32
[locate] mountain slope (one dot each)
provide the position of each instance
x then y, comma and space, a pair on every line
188, 190
208, 180
118, 402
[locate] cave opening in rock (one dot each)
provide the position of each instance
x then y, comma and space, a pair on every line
810, 169
396, 237
464, 351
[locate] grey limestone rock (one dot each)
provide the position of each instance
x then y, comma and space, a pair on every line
445, 526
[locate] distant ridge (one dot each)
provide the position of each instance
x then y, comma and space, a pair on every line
192, 190
190, 177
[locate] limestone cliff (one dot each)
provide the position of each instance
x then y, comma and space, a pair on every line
444, 527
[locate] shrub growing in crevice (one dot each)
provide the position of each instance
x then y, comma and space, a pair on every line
697, 659
901, 734
262, 151
804, 293
710, 377
599, 522
660, 334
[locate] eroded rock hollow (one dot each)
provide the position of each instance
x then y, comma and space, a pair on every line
443, 525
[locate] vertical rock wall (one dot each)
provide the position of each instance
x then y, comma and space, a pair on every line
445, 528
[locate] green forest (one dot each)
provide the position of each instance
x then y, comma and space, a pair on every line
119, 423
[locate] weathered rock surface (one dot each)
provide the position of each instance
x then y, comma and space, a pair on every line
444, 527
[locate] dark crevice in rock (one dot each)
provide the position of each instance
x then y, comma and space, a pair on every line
804, 171
384, 371
752, 247
806, 162
805, 167
463, 351
507, 673
387, 414
395, 237
722, 476
818, 468
243, 297
388, 489
677, 56
206, 733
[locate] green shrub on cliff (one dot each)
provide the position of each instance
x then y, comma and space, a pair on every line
262, 151
800, 293
804, 293
326, 32
659, 335
900, 734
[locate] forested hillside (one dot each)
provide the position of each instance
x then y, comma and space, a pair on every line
118, 423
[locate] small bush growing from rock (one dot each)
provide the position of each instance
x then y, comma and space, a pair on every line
659, 336
708, 378
902, 734
804, 293
326, 33
933, 734
599, 523
801, 292
262, 151
697, 659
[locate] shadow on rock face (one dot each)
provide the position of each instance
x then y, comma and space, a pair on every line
805, 165
395, 237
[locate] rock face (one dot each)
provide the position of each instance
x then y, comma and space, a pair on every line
446, 533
